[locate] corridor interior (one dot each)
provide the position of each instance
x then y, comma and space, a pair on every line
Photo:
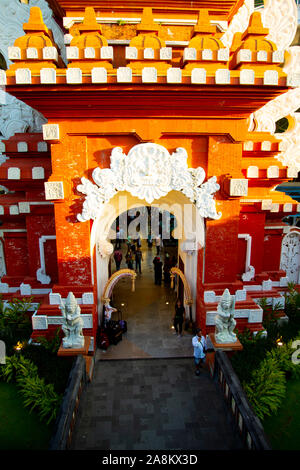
149, 314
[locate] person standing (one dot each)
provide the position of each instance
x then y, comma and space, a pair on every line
118, 258
179, 317
199, 344
157, 270
158, 244
138, 260
129, 259
118, 239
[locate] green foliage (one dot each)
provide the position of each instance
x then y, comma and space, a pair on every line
36, 393
267, 387
52, 344
15, 323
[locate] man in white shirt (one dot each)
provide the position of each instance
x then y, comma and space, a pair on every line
199, 344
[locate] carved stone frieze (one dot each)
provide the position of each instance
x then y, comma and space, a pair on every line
148, 172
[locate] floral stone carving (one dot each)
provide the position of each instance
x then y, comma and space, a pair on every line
72, 323
225, 322
148, 172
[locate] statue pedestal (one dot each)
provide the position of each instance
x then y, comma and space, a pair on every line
76, 351
236, 346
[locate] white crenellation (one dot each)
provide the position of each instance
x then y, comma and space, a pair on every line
124, 75
148, 53
247, 77
55, 299
14, 210
266, 204
22, 147
131, 52
174, 75
244, 55
39, 322
99, 75
288, 207
1, 210
50, 53
198, 76
293, 80
74, 75
23, 76
222, 77
189, 53
88, 298
32, 53
38, 173
240, 295
24, 207
275, 207
262, 56
14, 53
252, 172
248, 146
223, 54
25, 289
48, 76
273, 171
107, 52
209, 296
13, 173
271, 77
149, 75
42, 147
89, 53
165, 53
72, 52
207, 54
266, 145
278, 56
3, 80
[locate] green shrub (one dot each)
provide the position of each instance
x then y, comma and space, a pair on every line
266, 389
36, 393
15, 323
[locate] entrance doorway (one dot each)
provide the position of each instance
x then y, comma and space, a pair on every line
150, 309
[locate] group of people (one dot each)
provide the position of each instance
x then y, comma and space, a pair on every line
161, 268
198, 341
134, 255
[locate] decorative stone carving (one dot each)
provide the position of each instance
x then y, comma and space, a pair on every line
54, 298
271, 77
54, 190
222, 76
31, 53
244, 55
25, 289
238, 23
88, 298
50, 53
148, 53
72, 323
22, 147
24, 207
39, 322
72, 52
273, 171
290, 256
14, 210
223, 55
89, 53
13, 173
38, 173
107, 52
281, 18
238, 187
51, 131
252, 172
225, 322
262, 56
105, 248
2, 261
189, 53
148, 172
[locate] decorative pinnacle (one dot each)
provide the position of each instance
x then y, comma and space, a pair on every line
90, 21
255, 27
35, 22
203, 24
147, 24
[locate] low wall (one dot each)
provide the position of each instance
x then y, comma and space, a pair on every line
247, 423
65, 421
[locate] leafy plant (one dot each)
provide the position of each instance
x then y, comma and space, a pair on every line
52, 344
267, 387
36, 393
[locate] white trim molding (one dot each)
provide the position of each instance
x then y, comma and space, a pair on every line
249, 270
41, 272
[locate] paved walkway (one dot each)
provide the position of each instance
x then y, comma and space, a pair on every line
144, 394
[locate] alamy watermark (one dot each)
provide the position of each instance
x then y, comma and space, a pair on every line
295, 358
2, 352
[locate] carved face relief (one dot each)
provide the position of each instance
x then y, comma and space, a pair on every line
147, 174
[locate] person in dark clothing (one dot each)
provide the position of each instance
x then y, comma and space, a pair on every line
179, 317
157, 270
138, 260
167, 267
118, 258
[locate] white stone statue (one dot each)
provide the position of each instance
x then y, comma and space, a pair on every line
225, 322
72, 323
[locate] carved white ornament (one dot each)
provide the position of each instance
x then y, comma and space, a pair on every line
105, 248
148, 172
290, 256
